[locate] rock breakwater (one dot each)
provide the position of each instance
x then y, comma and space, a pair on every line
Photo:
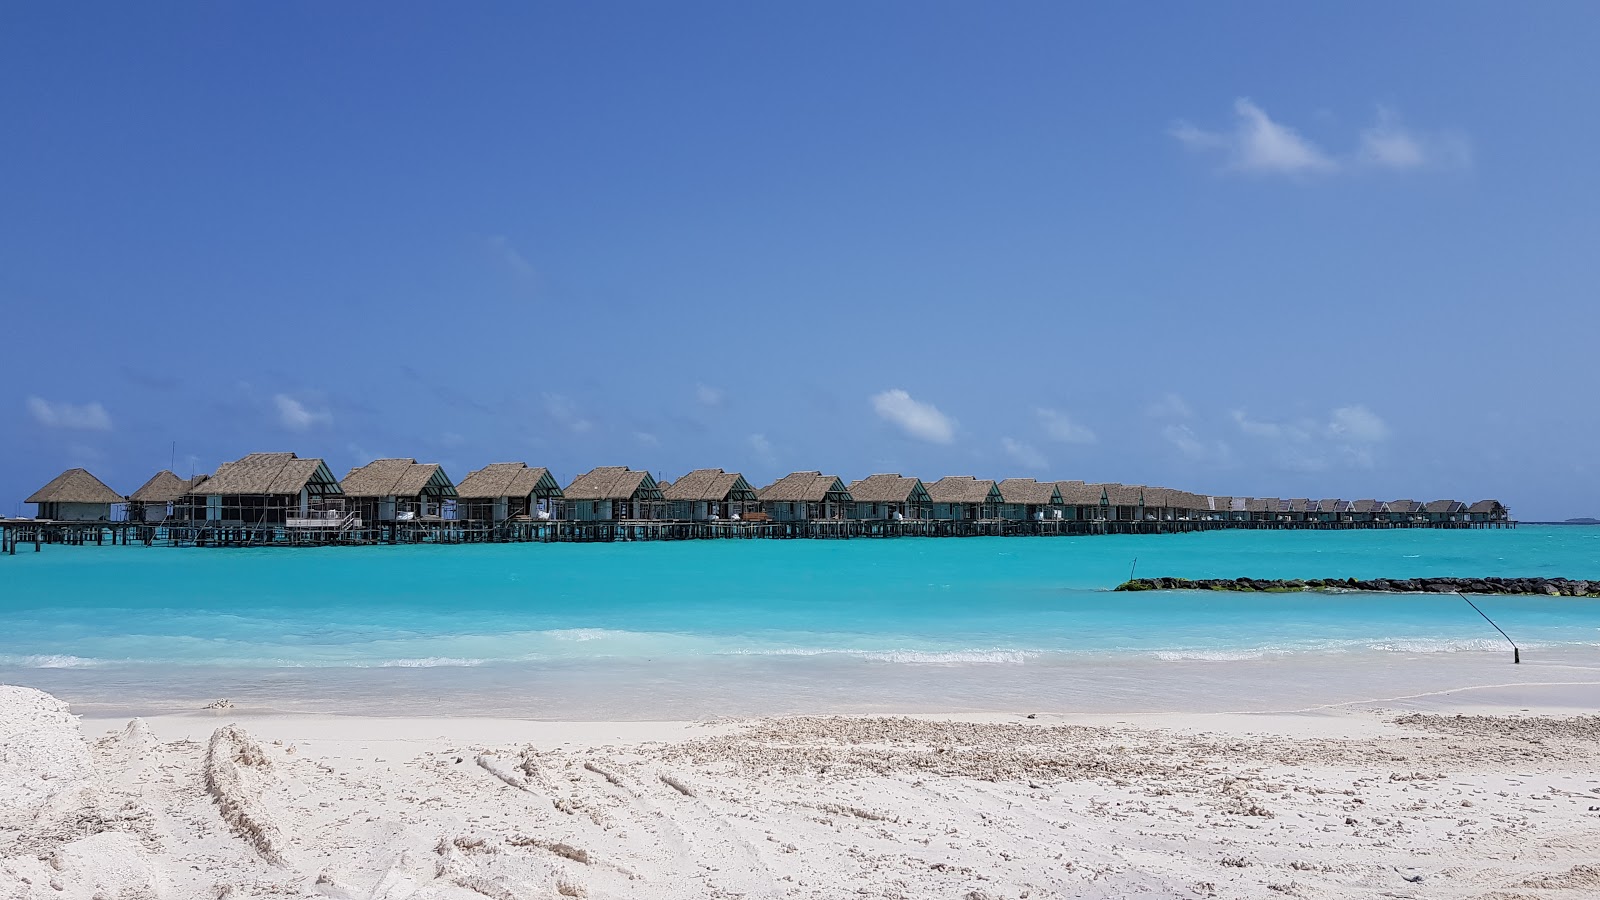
1550, 587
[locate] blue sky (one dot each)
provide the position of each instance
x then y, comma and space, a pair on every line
1255, 249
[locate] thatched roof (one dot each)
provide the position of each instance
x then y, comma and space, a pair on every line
397, 478
165, 487
1262, 505
613, 483
1170, 498
1026, 491
269, 474
1124, 494
1487, 506
888, 489
75, 486
709, 484
805, 487
1367, 506
963, 489
1333, 506
1076, 493
1445, 507
1405, 506
516, 479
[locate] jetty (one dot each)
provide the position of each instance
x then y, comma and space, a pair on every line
282, 499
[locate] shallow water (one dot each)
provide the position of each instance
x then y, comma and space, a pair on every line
736, 627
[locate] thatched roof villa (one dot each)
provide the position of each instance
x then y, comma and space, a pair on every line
1405, 510
887, 497
501, 491
270, 489
1022, 499
963, 498
1445, 511
613, 493
163, 498
1488, 511
1083, 502
706, 494
392, 490
75, 496
804, 496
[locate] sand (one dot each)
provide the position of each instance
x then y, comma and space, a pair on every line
1365, 801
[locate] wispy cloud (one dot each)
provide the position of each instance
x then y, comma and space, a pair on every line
1347, 437
70, 416
646, 439
1389, 144
762, 448
1025, 455
565, 413
1192, 446
706, 395
922, 421
512, 259
296, 416
1258, 144
1060, 427
1169, 406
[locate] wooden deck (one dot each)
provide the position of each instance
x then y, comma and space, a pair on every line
16, 533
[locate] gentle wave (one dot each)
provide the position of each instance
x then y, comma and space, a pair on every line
50, 661
431, 662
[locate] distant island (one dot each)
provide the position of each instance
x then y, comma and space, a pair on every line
1585, 520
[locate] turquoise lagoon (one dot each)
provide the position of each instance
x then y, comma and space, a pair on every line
702, 628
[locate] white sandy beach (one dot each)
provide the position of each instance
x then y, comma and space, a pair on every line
1349, 802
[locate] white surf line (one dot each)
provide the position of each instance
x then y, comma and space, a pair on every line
1471, 687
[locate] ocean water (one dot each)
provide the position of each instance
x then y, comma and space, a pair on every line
740, 627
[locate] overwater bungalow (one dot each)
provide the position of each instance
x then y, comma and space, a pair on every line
1439, 512
1368, 511
708, 494
1083, 502
613, 494
500, 492
805, 497
1023, 499
1405, 512
892, 496
271, 489
1488, 511
164, 498
75, 496
1262, 509
1169, 505
963, 498
1332, 511
397, 490
1124, 502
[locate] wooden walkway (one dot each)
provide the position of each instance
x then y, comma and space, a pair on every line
15, 533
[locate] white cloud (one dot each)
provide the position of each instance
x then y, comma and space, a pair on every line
647, 439
922, 421
513, 260
1389, 144
565, 412
1169, 406
1026, 455
296, 416
1357, 424
761, 447
1194, 447
1060, 427
1258, 144
74, 417
706, 395
1346, 438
